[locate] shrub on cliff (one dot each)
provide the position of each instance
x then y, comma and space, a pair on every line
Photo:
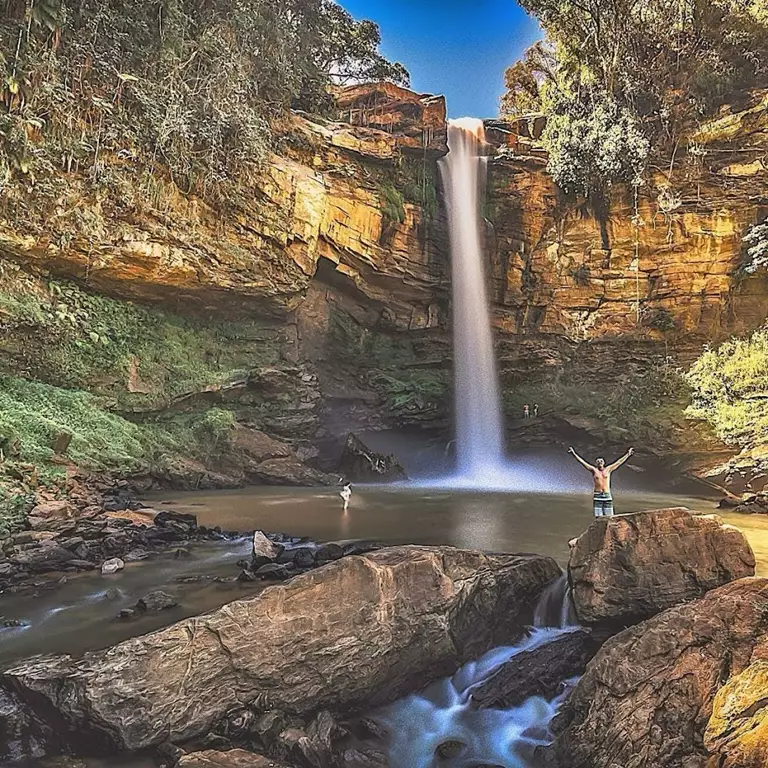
189, 86
730, 389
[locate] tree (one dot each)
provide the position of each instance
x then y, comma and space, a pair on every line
525, 79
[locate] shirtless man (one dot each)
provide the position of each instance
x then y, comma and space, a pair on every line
602, 501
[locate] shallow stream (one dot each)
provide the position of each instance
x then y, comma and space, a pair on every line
549, 505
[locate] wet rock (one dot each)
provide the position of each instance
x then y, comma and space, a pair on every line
630, 567
81, 565
448, 750
273, 572
135, 555
737, 732
127, 614
294, 745
360, 547
269, 726
360, 464
246, 575
112, 566
364, 758
163, 519
303, 557
156, 601
328, 552
234, 758
42, 557
408, 616
646, 697
540, 671
263, 551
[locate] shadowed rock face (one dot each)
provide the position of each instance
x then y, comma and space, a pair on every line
359, 632
631, 567
360, 464
647, 696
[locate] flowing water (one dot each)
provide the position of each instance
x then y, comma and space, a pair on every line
479, 429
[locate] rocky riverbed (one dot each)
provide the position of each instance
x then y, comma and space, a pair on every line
311, 673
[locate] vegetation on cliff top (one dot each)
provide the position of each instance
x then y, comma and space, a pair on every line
730, 390
179, 84
644, 69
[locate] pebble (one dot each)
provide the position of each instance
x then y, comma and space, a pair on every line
112, 566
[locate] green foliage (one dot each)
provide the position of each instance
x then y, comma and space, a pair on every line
187, 85
216, 425
730, 389
33, 415
755, 255
392, 203
523, 81
618, 77
593, 145
417, 388
142, 357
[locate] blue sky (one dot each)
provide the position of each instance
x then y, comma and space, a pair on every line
458, 48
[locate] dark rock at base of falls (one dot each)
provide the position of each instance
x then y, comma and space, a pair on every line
234, 758
357, 633
360, 464
540, 671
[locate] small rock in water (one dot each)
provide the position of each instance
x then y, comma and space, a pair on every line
450, 749
156, 601
264, 550
127, 613
272, 571
329, 552
304, 557
11, 623
246, 575
112, 566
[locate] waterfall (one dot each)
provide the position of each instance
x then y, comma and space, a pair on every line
555, 606
479, 429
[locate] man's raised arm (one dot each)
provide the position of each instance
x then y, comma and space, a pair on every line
616, 464
581, 461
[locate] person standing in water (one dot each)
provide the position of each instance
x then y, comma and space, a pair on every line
602, 500
346, 493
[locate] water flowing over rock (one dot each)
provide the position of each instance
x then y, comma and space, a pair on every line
630, 567
358, 632
360, 464
647, 696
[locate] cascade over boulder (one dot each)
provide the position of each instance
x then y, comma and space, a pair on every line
630, 567
358, 632
647, 696
360, 464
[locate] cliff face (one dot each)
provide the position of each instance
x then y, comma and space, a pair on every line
335, 257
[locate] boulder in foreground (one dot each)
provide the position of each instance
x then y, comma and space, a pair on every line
628, 568
359, 632
647, 696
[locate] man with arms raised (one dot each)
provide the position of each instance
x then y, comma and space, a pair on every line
602, 500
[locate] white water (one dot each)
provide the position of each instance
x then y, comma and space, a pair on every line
479, 429
420, 723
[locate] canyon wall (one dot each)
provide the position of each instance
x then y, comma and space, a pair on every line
335, 257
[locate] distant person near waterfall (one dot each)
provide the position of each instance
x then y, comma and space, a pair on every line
602, 500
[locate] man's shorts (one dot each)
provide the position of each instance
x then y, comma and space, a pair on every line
602, 504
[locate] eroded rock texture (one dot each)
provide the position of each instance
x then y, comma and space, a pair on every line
630, 567
359, 632
234, 758
738, 729
647, 697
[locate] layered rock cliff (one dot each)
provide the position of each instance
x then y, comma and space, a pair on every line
330, 271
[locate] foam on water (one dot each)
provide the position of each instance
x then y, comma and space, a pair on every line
420, 723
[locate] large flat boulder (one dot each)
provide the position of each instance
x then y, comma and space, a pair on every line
646, 698
359, 632
628, 568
